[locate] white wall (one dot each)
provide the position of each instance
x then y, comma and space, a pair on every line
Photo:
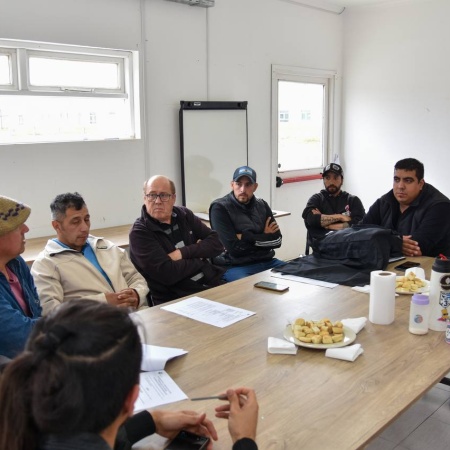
108, 174
396, 94
188, 53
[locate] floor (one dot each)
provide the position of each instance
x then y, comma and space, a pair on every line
425, 425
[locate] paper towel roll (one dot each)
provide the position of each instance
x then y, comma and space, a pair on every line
382, 297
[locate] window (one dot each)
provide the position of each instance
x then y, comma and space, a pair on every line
56, 93
301, 119
284, 116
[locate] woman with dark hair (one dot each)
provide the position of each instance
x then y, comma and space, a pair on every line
75, 385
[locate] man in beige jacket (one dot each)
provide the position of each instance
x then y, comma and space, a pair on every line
76, 265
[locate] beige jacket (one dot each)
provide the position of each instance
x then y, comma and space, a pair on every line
62, 274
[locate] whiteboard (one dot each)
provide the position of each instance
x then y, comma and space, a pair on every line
213, 143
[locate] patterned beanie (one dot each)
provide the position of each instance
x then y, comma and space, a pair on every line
12, 214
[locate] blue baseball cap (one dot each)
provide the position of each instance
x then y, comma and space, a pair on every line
244, 171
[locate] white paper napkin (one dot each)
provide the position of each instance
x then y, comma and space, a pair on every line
356, 324
364, 289
349, 353
280, 346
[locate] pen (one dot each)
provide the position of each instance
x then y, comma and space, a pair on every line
216, 397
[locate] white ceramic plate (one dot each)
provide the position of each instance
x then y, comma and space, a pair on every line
349, 337
422, 290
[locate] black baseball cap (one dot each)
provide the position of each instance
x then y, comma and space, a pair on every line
333, 167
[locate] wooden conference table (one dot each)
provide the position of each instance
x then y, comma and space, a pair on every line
306, 400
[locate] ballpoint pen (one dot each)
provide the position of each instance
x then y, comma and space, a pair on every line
216, 397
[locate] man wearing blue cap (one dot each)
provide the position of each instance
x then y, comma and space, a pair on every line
246, 228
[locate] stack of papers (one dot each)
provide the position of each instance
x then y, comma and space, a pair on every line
155, 385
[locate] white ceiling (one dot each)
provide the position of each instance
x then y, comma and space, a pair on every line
351, 3
338, 6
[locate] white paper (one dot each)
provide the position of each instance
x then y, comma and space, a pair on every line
155, 358
155, 389
355, 324
207, 311
349, 353
364, 289
305, 280
281, 346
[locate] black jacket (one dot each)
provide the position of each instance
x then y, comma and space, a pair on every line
168, 279
328, 204
427, 219
230, 218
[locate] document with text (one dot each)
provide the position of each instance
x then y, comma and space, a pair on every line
155, 389
207, 311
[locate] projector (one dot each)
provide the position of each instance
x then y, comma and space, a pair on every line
201, 3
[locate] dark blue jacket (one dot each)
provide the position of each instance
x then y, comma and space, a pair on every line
15, 326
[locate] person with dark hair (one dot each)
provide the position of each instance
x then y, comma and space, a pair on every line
77, 265
416, 210
75, 385
332, 208
171, 247
246, 227
19, 302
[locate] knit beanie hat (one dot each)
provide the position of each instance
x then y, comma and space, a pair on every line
12, 214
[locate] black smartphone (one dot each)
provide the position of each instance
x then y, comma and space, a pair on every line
271, 286
185, 440
407, 265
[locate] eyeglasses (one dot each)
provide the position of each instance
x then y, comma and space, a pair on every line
164, 197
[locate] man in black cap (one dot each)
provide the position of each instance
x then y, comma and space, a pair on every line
332, 208
246, 228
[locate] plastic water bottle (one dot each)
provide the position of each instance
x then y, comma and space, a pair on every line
419, 314
439, 294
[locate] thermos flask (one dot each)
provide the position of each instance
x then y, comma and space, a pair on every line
439, 294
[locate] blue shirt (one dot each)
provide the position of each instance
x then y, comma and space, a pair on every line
89, 254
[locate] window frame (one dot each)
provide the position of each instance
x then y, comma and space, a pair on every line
128, 75
12, 54
304, 75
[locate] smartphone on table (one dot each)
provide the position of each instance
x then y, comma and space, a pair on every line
407, 265
271, 286
185, 440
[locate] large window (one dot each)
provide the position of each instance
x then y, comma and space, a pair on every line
301, 119
54, 93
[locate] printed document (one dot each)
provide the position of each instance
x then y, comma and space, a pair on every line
155, 389
207, 311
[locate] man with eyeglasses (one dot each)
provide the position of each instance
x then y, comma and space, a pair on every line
246, 227
332, 208
77, 265
171, 247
